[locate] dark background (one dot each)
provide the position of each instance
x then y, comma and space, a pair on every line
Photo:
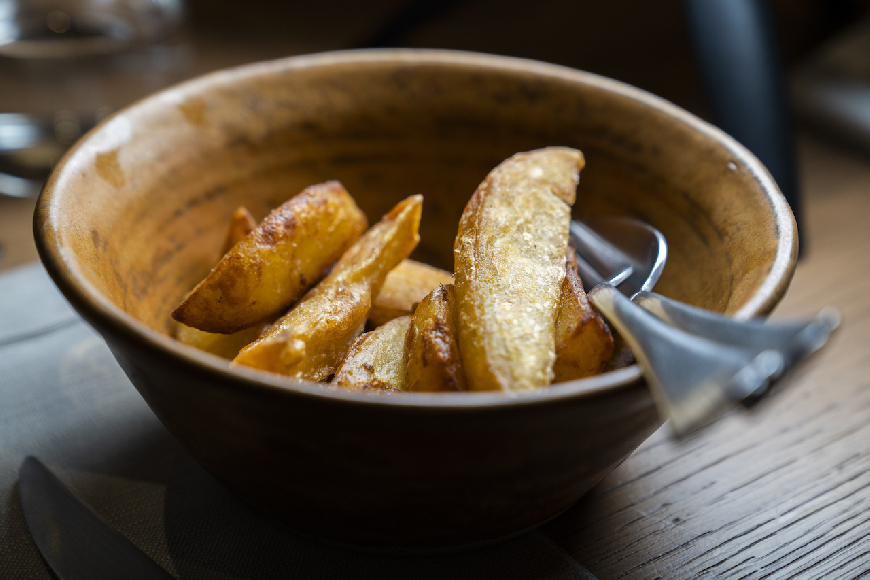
644, 43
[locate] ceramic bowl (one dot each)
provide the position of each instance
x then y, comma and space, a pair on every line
135, 214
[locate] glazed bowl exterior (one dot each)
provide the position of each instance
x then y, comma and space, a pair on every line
135, 214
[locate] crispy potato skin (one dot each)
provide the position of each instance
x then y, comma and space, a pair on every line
509, 260
268, 270
374, 360
406, 285
225, 345
242, 223
431, 354
583, 341
310, 341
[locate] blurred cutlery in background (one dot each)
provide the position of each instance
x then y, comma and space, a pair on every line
64, 54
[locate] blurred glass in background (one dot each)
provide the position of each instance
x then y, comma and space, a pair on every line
65, 64
75, 28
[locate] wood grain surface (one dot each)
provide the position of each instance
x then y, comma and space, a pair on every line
784, 491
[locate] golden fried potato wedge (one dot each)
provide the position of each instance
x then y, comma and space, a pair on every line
583, 341
267, 271
310, 341
509, 263
406, 285
432, 361
242, 223
374, 360
223, 345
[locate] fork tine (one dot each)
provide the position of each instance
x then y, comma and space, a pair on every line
597, 259
591, 278
598, 252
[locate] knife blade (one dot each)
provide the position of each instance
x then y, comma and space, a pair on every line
75, 542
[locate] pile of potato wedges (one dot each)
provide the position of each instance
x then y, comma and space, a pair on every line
294, 294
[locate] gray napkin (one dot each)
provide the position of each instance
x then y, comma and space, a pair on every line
64, 399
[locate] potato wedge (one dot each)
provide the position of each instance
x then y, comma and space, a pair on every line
406, 285
509, 264
432, 361
583, 340
242, 223
270, 269
374, 360
310, 341
223, 345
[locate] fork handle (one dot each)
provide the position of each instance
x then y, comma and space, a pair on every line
794, 339
693, 376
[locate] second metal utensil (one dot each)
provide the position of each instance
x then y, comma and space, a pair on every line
698, 363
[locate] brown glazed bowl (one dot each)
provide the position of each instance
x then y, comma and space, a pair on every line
136, 212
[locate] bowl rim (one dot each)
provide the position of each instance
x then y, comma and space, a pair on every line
106, 317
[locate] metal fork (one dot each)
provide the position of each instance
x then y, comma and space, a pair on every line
698, 363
